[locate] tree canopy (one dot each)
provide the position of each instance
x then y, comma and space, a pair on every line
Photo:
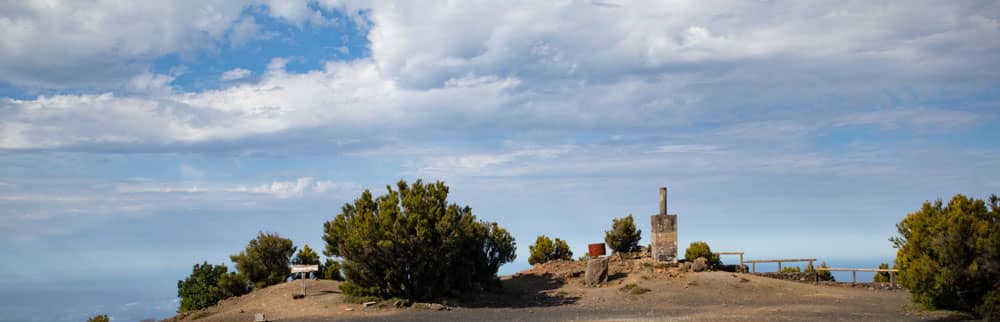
949, 255
545, 249
411, 242
306, 256
623, 237
265, 260
207, 285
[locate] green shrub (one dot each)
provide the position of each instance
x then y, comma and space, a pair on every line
881, 277
330, 270
949, 255
207, 285
411, 243
545, 250
701, 249
623, 237
306, 256
265, 260
791, 269
99, 318
234, 284
821, 274
633, 289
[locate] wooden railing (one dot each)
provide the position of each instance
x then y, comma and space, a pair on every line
740, 269
753, 262
854, 272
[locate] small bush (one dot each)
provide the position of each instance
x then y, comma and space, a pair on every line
545, 250
701, 249
623, 237
949, 255
823, 275
791, 269
881, 277
633, 289
99, 318
265, 260
208, 284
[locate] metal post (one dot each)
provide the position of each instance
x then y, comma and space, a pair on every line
303, 278
779, 266
741, 261
754, 267
854, 277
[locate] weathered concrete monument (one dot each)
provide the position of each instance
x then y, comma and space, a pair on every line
664, 232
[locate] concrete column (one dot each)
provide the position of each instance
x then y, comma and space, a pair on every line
663, 200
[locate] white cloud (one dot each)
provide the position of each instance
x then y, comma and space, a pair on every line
685, 148
235, 74
67, 44
188, 171
542, 67
246, 30
297, 188
931, 118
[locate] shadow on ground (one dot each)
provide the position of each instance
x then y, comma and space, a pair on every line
521, 291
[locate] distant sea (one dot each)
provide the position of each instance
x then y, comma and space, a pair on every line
134, 299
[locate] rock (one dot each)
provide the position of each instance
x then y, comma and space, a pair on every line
401, 303
367, 304
597, 271
259, 317
700, 264
433, 306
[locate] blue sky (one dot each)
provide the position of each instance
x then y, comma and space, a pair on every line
137, 139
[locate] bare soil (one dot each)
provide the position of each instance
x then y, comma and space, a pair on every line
554, 292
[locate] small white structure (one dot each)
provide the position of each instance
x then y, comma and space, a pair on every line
302, 270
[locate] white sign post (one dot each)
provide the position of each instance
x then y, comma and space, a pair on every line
302, 270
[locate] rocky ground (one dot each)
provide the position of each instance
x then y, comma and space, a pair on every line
637, 291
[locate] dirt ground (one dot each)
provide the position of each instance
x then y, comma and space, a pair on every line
555, 293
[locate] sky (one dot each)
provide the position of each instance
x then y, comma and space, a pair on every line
140, 138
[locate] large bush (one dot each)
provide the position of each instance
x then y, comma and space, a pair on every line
207, 285
701, 249
949, 255
545, 249
265, 260
412, 243
623, 237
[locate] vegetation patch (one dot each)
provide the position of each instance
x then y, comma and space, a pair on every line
949, 255
633, 289
545, 250
411, 243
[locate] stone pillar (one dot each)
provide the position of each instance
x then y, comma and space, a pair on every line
597, 271
664, 235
